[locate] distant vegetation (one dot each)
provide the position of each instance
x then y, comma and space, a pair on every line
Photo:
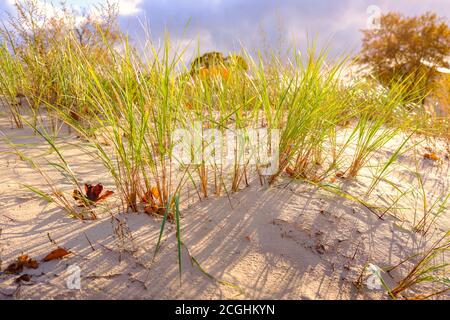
408, 47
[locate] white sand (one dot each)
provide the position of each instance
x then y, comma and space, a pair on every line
286, 242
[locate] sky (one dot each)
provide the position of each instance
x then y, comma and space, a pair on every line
226, 25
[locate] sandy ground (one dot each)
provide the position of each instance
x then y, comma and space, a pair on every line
290, 241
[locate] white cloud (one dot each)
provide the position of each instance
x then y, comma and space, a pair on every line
129, 7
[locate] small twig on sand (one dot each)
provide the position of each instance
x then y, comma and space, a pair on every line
103, 276
51, 240
92, 247
9, 218
356, 250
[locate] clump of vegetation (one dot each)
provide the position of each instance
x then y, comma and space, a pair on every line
415, 50
407, 47
215, 63
137, 105
426, 270
34, 50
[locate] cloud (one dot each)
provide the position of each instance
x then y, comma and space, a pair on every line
253, 23
129, 7
231, 22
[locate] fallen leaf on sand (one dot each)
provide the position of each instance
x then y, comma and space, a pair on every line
93, 194
151, 209
58, 253
153, 202
290, 171
160, 211
151, 196
21, 262
23, 278
432, 156
96, 193
339, 174
14, 267
28, 262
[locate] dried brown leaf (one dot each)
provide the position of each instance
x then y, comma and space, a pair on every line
14, 268
23, 278
340, 174
58, 253
21, 262
151, 196
432, 156
290, 171
93, 194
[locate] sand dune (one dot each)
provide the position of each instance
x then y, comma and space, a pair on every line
289, 241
